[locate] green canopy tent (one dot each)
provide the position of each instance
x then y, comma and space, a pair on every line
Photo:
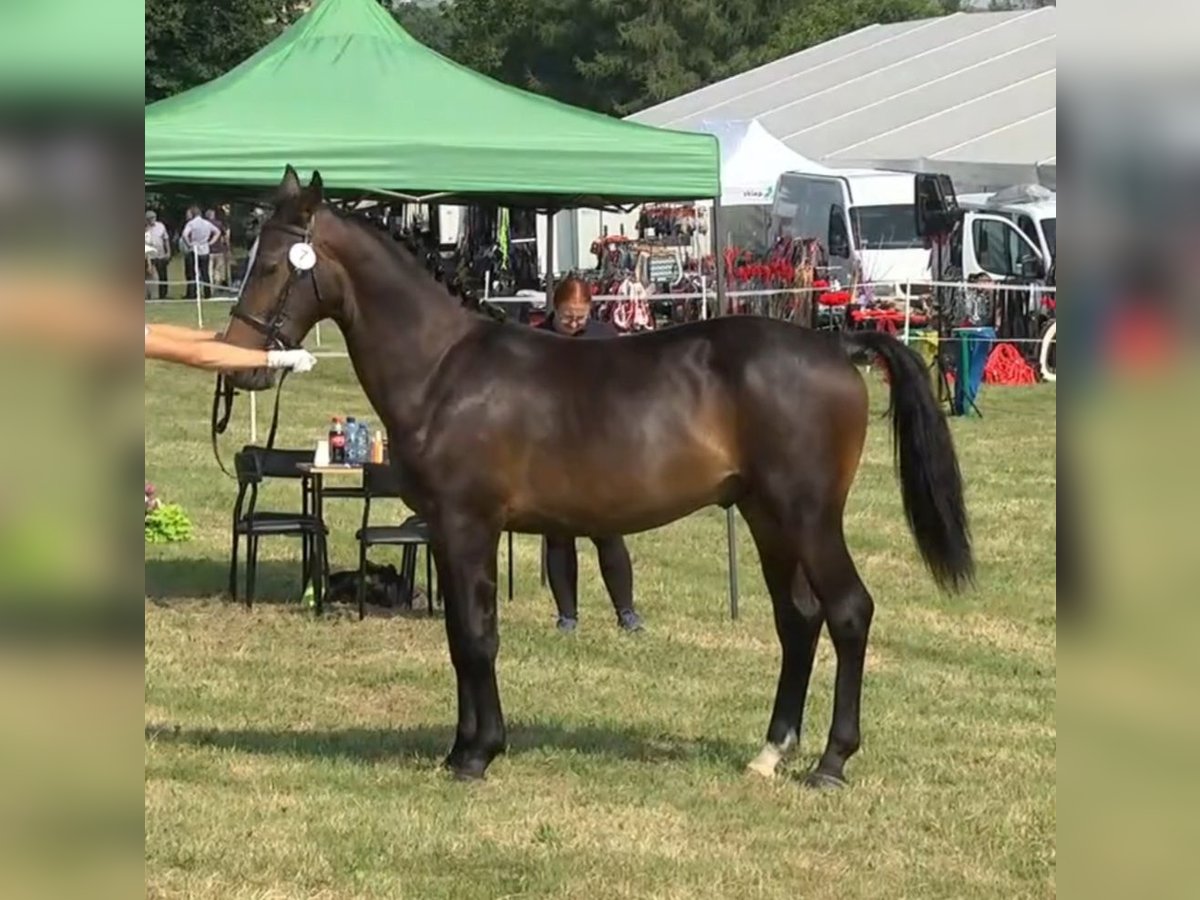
347, 91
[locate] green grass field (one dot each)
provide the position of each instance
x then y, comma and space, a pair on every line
287, 757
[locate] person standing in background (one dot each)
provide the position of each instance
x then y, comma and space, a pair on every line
572, 318
218, 250
197, 238
158, 252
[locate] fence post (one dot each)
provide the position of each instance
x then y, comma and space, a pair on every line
196, 273
703, 297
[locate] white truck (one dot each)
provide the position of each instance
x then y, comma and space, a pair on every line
868, 217
989, 242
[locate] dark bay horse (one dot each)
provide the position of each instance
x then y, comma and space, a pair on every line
495, 426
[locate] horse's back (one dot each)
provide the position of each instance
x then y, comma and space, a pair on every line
651, 426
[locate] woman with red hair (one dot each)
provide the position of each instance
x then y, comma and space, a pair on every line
572, 318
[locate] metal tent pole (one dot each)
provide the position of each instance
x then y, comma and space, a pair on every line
549, 257
719, 258
723, 310
549, 305
731, 544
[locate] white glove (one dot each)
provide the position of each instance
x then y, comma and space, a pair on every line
296, 360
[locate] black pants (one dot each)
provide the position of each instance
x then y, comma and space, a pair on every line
160, 268
189, 267
562, 571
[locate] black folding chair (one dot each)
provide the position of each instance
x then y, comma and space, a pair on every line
253, 465
379, 481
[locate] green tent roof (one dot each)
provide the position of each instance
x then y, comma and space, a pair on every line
346, 90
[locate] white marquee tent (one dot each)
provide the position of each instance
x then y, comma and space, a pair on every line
970, 94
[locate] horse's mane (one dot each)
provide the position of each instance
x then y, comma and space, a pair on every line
426, 254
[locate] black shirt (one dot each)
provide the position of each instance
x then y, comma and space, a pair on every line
595, 328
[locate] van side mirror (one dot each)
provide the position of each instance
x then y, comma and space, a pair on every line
1032, 267
934, 204
838, 239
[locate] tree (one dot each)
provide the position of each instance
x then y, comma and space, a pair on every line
619, 56
189, 42
796, 25
428, 24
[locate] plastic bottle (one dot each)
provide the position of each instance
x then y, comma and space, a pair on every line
377, 448
337, 443
362, 443
351, 440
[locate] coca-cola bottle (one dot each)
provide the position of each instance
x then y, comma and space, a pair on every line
337, 443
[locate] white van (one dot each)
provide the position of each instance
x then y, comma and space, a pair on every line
866, 214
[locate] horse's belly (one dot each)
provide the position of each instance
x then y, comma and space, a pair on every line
621, 500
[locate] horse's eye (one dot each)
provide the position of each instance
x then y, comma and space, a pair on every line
270, 268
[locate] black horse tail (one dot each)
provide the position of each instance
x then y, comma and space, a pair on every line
930, 479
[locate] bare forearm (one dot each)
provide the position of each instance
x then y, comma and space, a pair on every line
180, 333
204, 354
219, 355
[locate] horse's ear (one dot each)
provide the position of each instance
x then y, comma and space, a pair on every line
314, 193
290, 186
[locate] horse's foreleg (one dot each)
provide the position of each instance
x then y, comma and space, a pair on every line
467, 550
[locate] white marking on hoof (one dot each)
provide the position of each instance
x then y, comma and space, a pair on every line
767, 761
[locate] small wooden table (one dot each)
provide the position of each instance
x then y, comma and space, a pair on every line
314, 484
314, 488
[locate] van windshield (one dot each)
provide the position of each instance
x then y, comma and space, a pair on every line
1050, 229
886, 227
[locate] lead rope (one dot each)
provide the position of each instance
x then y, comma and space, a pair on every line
224, 393
283, 374
220, 419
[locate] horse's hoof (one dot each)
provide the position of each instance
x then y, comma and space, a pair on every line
758, 769
465, 768
824, 781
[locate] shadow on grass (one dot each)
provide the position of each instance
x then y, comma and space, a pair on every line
428, 745
278, 581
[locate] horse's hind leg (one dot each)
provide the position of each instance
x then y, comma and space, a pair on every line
847, 608
798, 624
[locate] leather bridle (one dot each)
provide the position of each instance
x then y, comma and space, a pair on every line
272, 329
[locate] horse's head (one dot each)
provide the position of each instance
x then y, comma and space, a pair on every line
285, 292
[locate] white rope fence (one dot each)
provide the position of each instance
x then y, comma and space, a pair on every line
886, 290
228, 295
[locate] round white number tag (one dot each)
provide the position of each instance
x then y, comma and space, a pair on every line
302, 256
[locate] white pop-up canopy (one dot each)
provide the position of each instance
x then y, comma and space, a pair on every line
752, 160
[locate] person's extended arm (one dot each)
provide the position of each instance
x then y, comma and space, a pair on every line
182, 333
214, 354
203, 353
